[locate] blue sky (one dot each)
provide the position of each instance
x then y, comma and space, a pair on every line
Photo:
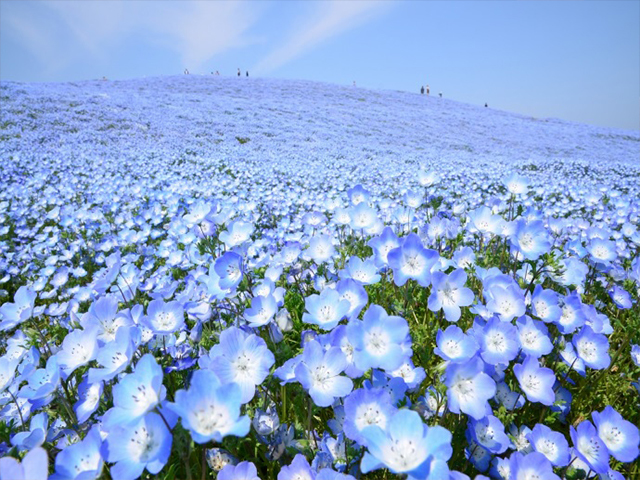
575, 60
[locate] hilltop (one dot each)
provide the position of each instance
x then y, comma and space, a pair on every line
309, 130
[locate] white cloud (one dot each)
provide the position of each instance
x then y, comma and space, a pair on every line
60, 31
199, 30
330, 19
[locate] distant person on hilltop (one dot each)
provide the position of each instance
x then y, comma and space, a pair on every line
440, 94
421, 90
186, 71
354, 83
217, 72
486, 105
239, 73
247, 73
427, 89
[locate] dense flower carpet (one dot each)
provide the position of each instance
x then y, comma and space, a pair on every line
241, 278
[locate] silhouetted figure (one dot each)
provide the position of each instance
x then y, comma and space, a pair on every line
247, 73
354, 83
486, 105
421, 90
217, 72
186, 71
440, 94
427, 89
239, 73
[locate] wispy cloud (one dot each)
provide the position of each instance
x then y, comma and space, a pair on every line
331, 18
205, 29
57, 31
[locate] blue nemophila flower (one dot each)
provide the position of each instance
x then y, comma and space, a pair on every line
163, 318
102, 315
519, 438
236, 234
320, 249
209, 409
590, 448
510, 400
262, 310
42, 382
218, 458
366, 407
412, 261
412, 375
229, 269
298, 470
469, 388
544, 305
551, 444
241, 471
500, 469
635, 357
516, 184
620, 436
483, 221
137, 393
454, 345
328, 474
82, 460
408, 446
78, 348
338, 337
449, 294
534, 337
573, 315
326, 309
36, 434
362, 216
529, 240
144, 444
507, 301
464, 257
286, 372
535, 381
266, 422
602, 251
479, 456
592, 348
382, 245
355, 294
413, 198
319, 373
7, 371
428, 178
357, 195
378, 339
620, 297
498, 341
20, 310
89, 395
531, 466
314, 219
114, 357
569, 356
240, 358
489, 433
34, 466
363, 271
212, 284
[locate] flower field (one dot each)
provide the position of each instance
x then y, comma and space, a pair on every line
239, 278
